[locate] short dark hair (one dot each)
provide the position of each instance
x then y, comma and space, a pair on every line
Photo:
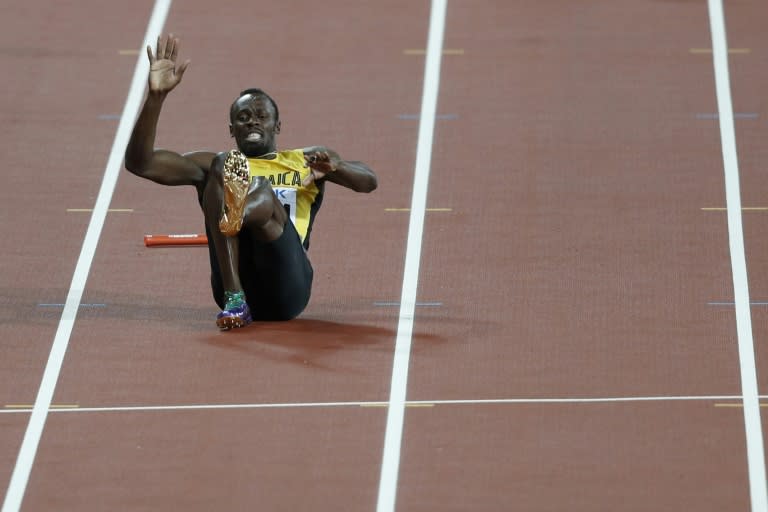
255, 91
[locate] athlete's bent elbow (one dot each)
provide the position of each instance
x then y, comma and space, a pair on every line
132, 166
370, 186
366, 183
136, 167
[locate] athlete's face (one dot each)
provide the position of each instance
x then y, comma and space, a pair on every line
253, 125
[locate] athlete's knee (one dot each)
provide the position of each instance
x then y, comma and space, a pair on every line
259, 188
261, 204
258, 209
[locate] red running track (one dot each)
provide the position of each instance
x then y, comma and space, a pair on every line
573, 249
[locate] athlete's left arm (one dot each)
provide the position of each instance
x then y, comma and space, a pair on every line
326, 164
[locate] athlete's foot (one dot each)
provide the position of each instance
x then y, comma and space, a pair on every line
234, 318
236, 312
236, 180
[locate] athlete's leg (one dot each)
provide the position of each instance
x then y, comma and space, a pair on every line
263, 220
274, 267
264, 216
276, 275
226, 248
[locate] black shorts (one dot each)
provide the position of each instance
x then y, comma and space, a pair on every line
276, 276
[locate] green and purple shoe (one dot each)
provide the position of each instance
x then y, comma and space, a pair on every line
236, 312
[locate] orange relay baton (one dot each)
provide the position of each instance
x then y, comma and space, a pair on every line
174, 240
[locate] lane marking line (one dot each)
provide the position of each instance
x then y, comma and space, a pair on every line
30, 406
110, 210
197, 407
396, 411
747, 368
413, 117
736, 406
109, 117
744, 209
733, 303
737, 115
54, 305
381, 404
418, 304
407, 404
31, 441
584, 400
446, 51
734, 51
426, 209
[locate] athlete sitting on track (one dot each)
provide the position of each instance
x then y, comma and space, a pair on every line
258, 203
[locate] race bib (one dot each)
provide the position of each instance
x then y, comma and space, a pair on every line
287, 197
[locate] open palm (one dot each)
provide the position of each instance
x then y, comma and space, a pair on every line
163, 73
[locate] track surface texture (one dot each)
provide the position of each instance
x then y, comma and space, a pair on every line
573, 343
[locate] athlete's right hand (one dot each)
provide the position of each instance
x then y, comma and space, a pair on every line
163, 73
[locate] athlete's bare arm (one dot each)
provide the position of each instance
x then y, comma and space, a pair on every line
141, 157
327, 164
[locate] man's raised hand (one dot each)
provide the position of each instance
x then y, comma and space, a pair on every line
321, 162
163, 73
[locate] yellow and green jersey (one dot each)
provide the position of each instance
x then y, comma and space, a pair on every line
286, 172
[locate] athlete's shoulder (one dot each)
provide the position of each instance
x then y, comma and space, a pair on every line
294, 156
291, 152
202, 159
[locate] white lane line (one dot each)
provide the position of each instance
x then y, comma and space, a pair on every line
576, 400
752, 424
394, 431
321, 405
25, 459
201, 407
